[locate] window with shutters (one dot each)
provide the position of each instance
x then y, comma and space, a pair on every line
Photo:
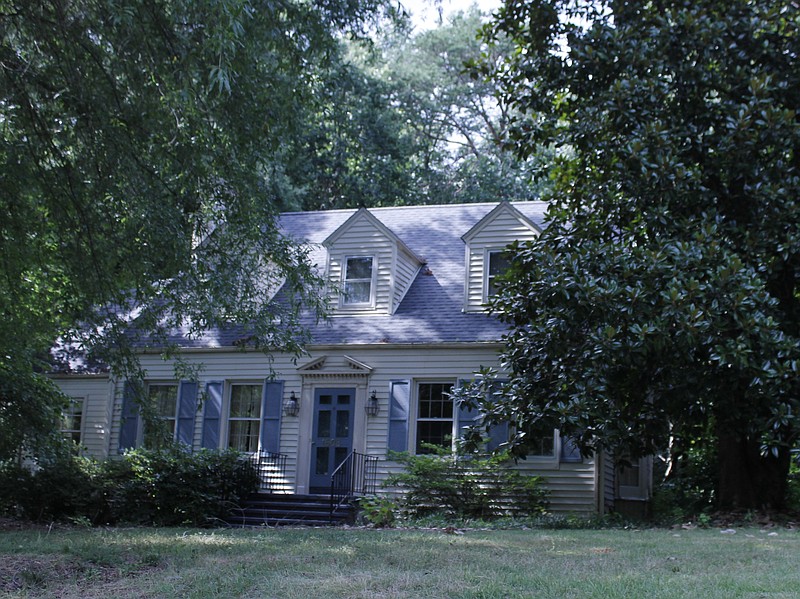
244, 417
435, 416
163, 401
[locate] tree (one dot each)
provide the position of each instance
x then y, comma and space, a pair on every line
661, 306
458, 124
140, 141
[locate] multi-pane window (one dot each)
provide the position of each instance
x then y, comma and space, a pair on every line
497, 264
163, 400
540, 442
358, 280
71, 419
434, 415
244, 419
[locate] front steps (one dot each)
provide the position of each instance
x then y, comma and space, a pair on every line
261, 509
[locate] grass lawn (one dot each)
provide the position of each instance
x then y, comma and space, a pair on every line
366, 563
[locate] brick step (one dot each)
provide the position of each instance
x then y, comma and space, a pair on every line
262, 509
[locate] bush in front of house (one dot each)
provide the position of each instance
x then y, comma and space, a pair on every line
461, 486
158, 487
174, 487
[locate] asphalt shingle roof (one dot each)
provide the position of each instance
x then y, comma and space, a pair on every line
432, 310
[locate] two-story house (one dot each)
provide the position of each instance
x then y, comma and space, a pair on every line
407, 324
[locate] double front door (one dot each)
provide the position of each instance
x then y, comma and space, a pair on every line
332, 439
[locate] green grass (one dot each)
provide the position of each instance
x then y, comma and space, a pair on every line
365, 563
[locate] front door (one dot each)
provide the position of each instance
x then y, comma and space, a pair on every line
333, 434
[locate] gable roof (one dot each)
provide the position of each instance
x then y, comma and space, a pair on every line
431, 311
502, 207
363, 213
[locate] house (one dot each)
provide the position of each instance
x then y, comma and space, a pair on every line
408, 323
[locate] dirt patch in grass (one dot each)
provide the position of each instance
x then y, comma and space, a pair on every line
61, 576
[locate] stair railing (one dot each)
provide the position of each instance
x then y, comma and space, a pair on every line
357, 475
271, 468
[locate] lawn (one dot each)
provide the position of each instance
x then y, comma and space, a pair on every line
367, 563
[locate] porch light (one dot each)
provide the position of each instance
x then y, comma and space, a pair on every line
292, 406
372, 404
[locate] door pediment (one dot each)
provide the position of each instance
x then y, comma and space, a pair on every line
335, 367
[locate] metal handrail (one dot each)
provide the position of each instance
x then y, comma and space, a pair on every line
271, 468
356, 475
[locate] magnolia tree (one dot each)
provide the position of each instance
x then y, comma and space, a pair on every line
660, 308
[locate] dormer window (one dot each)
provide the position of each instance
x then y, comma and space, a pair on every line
497, 263
358, 281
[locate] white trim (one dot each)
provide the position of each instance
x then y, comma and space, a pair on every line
413, 410
225, 411
140, 433
75, 399
487, 256
369, 305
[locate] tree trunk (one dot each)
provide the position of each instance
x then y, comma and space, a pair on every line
747, 479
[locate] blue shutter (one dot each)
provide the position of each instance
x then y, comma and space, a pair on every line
399, 398
569, 450
467, 416
187, 408
212, 415
129, 425
271, 409
498, 434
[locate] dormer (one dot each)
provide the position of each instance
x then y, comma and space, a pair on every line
370, 267
485, 251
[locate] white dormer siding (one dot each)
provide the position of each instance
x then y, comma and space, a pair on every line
502, 226
394, 266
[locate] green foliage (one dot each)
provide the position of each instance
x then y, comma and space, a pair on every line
162, 488
172, 487
143, 146
661, 305
465, 486
378, 511
30, 409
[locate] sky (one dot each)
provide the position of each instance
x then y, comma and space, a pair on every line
425, 13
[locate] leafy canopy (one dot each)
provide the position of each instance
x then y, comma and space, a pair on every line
661, 305
139, 146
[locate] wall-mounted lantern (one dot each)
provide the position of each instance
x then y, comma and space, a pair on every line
372, 406
292, 406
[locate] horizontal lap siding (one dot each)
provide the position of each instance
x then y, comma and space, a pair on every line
405, 273
571, 485
364, 235
96, 413
496, 234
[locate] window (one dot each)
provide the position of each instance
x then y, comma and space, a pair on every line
163, 400
358, 281
497, 263
71, 419
540, 442
434, 415
244, 420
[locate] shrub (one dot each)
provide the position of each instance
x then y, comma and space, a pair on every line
466, 486
165, 487
59, 489
172, 486
378, 511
